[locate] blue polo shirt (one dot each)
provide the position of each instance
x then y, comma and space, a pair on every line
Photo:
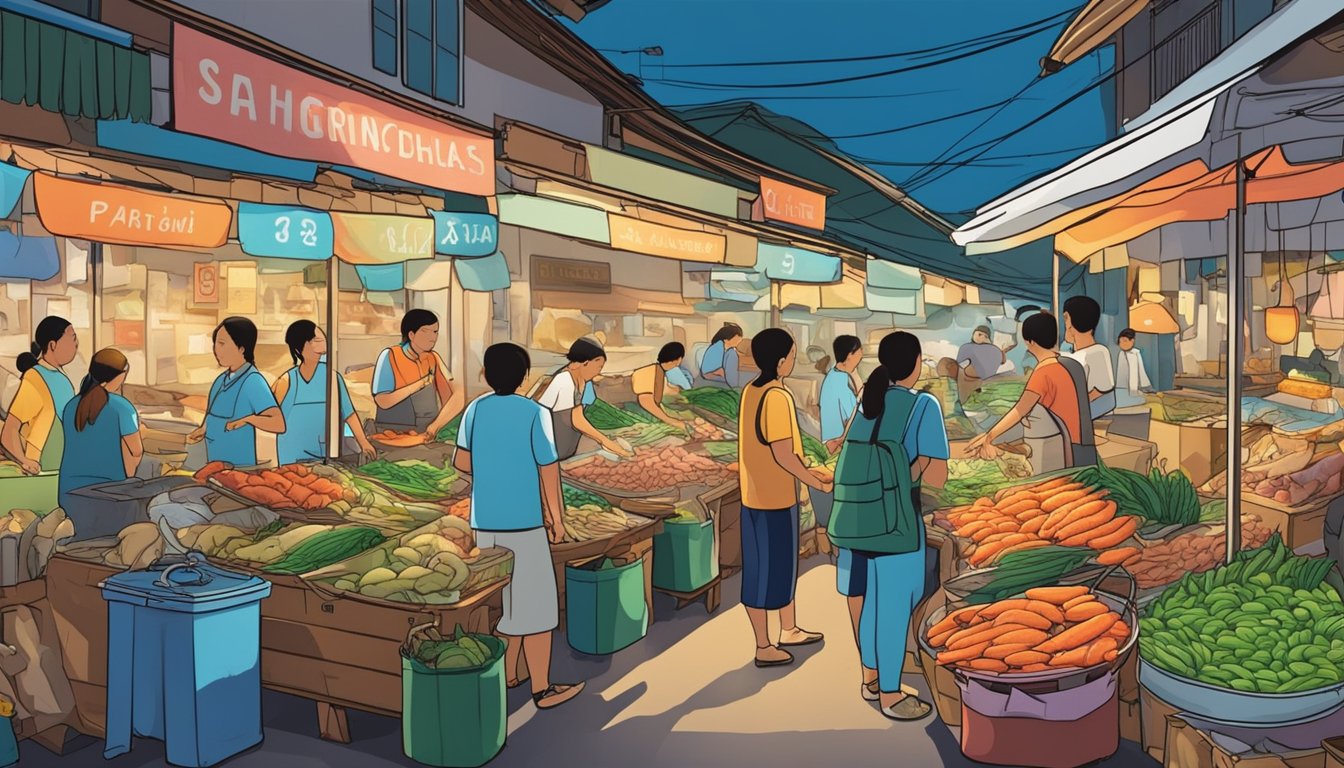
838, 402
510, 438
926, 434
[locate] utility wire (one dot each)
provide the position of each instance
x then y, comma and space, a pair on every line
970, 163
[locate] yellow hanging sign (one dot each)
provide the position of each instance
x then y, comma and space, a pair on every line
365, 238
637, 236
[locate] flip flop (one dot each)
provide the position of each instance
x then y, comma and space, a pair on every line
555, 695
908, 709
869, 691
809, 638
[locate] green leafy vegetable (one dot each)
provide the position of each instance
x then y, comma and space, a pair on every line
1168, 499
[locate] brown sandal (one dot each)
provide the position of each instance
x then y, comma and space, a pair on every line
555, 695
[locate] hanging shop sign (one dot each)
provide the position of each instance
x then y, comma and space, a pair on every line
658, 182
284, 232
899, 277
12, 179
28, 258
554, 216
483, 275
381, 277
792, 205
205, 283
795, 265
111, 213
364, 238
571, 275
637, 236
893, 300
223, 92
465, 234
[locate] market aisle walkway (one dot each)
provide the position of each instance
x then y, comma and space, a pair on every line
687, 695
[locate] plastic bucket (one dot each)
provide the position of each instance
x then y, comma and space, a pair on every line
454, 718
683, 555
604, 607
9, 746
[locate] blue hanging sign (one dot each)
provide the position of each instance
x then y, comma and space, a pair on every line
28, 258
795, 265
381, 277
488, 274
12, 179
284, 232
465, 234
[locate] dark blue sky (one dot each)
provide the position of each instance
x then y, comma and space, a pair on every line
996, 70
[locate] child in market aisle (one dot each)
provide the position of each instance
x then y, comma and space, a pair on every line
895, 582
769, 469
516, 504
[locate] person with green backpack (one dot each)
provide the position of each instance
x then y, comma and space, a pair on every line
896, 443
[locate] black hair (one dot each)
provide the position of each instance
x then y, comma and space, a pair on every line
728, 331
506, 367
1128, 333
585, 351
1026, 310
898, 355
414, 320
297, 336
1041, 328
844, 346
671, 352
768, 348
1084, 313
243, 332
48, 332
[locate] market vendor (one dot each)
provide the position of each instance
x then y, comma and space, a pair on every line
1052, 415
977, 361
240, 402
411, 384
718, 367
570, 391
302, 394
1132, 417
839, 395
32, 433
1082, 314
650, 382
505, 443
101, 428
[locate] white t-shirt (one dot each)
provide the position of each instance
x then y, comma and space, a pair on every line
1096, 361
561, 394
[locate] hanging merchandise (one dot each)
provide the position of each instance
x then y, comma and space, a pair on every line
1281, 322
1327, 312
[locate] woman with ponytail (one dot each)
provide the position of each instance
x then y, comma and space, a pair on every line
893, 584
240, 401
32, 433
102, 430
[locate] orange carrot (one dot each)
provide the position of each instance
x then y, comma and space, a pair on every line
1097, 652
977, 635
1079, 600
1035, 667
1086, 518
964, 654
1118, 556
1057, 500
988, 665
954, 620
1056, 595
1076, 657
1105, 542
1083, 612
994, 610
1022, 505
1025, 618
1079, 634
1024, 636
1002, 651
1048, 610
1027, 658
1033, 526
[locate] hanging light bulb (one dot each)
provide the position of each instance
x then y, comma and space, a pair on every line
1282, 321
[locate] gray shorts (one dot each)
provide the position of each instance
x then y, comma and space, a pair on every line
531, 600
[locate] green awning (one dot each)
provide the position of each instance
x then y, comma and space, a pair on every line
659, 182
554, 216
63, 71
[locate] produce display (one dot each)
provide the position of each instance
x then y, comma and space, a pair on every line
1049, 628
288, 549
587, 515
1168, 499
427, 566
1061, 511
138, 546
1285, 418
36, 536
1175, 408
461, 509
412, 477
326, 547
1323, 479
461, 651
1162, 563
969, 479
294, 486
996, 397
651, 470
608, 418
1030, 568
1266, 623
960, 427
721, 450
814, 453
724, 402
408, 439
449, 432
1269, 468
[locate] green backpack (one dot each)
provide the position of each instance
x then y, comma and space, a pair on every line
874, 507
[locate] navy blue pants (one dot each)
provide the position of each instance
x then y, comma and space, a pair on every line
769, 557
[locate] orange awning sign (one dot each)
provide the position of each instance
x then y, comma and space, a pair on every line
111, 213
638, 236
362, 238
792, 205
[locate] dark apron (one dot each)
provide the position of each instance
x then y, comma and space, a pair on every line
1084, 453
416, 412
566, 436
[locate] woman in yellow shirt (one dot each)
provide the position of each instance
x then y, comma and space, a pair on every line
770, 466
650, 382
32, 433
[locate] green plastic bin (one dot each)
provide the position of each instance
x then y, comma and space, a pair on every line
454, 718
38, 493
604, 606
683, 555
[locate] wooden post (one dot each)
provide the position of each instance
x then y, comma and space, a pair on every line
1236, 339
333, 425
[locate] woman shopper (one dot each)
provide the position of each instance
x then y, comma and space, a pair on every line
895, 581
302, 394
718, 367
505, 444
102, 429
770, 467
570, 392
32, 433
240, 402
650, 383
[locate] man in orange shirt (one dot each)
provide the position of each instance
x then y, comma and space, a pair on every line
1053, 411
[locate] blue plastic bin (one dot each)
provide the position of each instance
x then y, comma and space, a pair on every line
9, 746
184, 661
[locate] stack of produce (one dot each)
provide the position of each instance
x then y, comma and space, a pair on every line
969, 479
1176, 409
35, 538
1267, 623
293, 486
462, 651
1324, 479
449, 433
393, 439
587, 516
1050, 628
652, 470
1060, 510
412, 477
1036, 567
1194, 552
703, 430
461, 509
1160, 499
292, 549
996, 397
427, 566
723, 402
1269, 468
722, 450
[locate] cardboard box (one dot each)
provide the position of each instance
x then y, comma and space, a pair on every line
1131, 721
1126, 453
1300, 526
1153, 713
1189, 746
1200, 451
1334, 752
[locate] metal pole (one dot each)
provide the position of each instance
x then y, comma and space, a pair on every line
95, 299
333, 425
1236, 301
1055, 308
